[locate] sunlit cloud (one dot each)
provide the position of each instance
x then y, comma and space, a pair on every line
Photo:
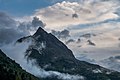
60, 15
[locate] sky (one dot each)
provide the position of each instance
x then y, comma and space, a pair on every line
22, 7
25, 7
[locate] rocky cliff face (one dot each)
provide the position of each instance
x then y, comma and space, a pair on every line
52, 54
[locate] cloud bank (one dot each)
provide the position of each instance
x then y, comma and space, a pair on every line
17, 53
8, 29
11, 30
61, 14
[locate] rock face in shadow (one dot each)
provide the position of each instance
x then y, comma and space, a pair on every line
52, 54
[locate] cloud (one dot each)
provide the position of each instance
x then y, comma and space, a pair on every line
11, 30
112, 63
6, 21
8, 29
74, 15
70, 41
60, 14
37, 23
9, 35
61, 34
31, 26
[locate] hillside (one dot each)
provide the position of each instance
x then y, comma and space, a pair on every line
10, 70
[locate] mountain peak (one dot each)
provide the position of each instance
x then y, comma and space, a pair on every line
40, 31
53, 55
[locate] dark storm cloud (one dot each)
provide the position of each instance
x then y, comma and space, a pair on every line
11, 30
8, 29
31, 25
9, 35
6, 21
36, 22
